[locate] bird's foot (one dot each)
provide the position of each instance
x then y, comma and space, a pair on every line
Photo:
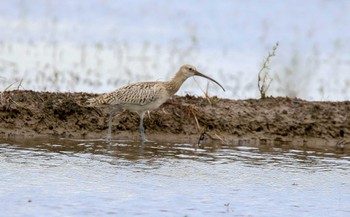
144, 139
109, 138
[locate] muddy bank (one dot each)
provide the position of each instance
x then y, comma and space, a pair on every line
183, 119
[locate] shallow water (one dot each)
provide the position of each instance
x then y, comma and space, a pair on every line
93, 178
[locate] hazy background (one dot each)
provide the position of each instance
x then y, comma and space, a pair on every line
100, 45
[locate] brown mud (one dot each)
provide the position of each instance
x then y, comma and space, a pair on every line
271, 121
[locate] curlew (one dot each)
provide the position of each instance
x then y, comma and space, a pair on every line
144, 96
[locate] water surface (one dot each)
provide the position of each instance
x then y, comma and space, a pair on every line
94, 178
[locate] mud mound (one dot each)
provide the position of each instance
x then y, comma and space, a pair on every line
188, 118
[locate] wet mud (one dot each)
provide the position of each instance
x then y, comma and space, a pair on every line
271, 121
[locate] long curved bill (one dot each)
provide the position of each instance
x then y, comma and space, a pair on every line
204, 76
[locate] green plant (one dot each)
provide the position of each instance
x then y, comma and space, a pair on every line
264, 79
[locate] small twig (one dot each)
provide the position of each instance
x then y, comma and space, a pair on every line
8, 87
206, 92
195, 118
221, 139
164, 111
7, 99
340, 143
20, 84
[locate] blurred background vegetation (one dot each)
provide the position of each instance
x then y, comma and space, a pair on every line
100, 45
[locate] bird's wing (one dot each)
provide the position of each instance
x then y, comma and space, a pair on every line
138, 93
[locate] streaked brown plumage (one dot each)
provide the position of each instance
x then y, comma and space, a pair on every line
144, 96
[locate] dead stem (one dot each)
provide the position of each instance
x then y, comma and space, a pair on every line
202, 135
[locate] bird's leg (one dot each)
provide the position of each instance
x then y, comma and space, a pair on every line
142, 129
111, 114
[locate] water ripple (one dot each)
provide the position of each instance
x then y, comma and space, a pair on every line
66, 177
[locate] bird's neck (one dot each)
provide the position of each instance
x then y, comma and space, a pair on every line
175, 83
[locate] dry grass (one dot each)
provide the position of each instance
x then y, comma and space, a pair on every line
264, 78
5, 96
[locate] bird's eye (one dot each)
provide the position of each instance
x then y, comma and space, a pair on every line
190, 69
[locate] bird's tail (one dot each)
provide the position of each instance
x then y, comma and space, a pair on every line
95, 102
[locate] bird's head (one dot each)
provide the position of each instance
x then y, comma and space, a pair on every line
189, 71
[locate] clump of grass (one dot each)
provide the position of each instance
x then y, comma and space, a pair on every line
9, 86
206, 94
5, 98
264, 79
211, 100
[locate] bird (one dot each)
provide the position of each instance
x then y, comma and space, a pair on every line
143, 97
